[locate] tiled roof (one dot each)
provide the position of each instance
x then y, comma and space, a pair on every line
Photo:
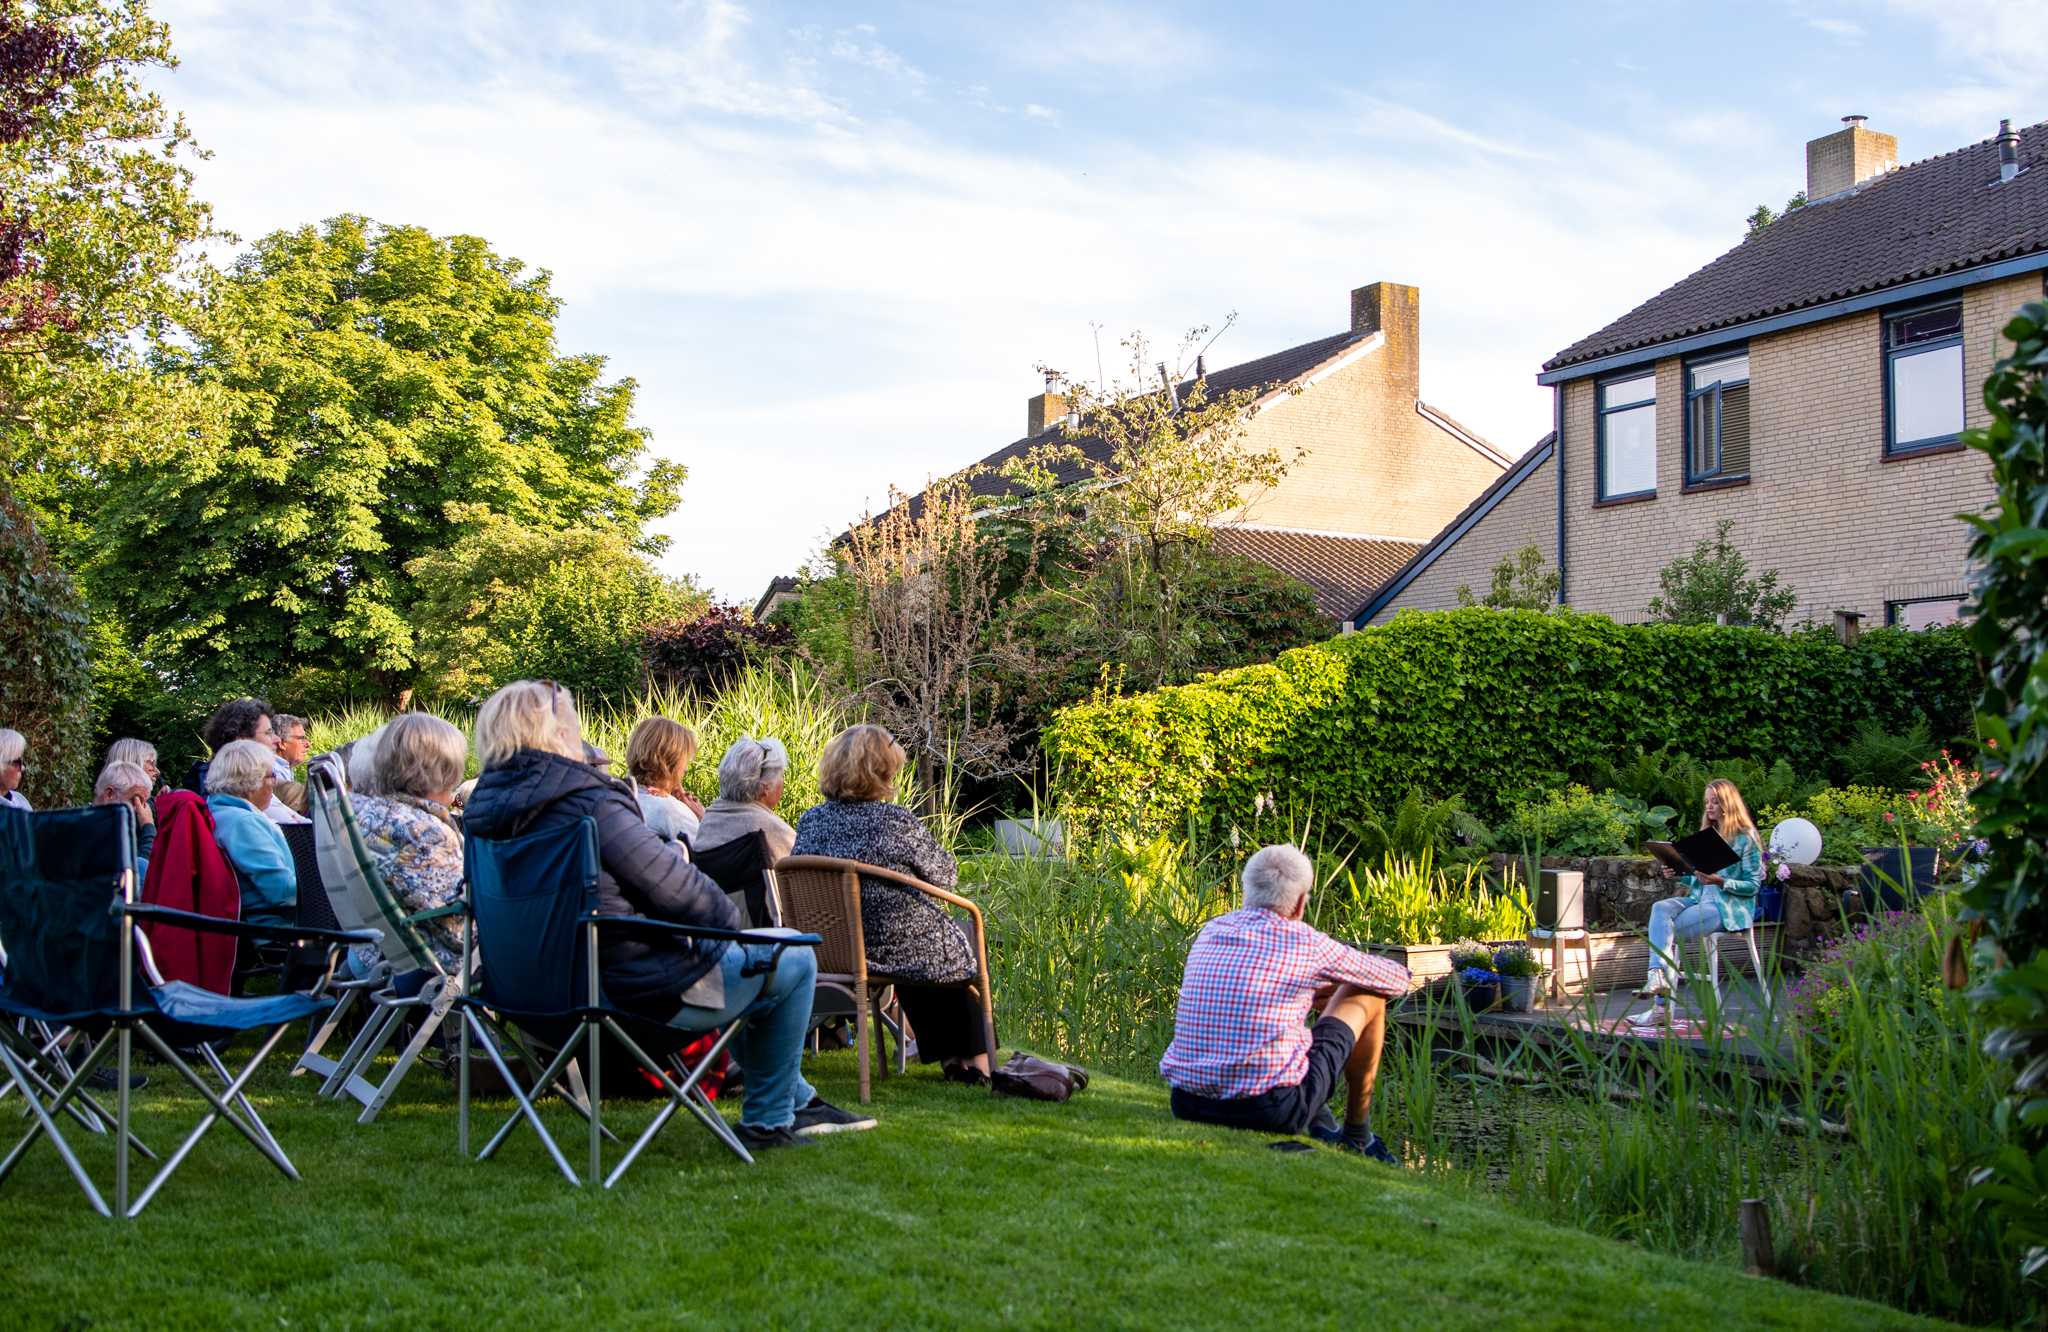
1933, 217
1341, 569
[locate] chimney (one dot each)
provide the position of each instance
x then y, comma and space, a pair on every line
1395, 310
1043, 412
2008, 151
1847, 158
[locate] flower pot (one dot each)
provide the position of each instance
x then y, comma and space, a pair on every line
1519, 993
1769, 902
1481, 996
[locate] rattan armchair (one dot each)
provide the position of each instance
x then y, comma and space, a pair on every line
821, 896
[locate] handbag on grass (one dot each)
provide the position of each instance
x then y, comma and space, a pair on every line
1037, 1079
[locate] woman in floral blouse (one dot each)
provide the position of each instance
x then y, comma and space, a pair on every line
419, 760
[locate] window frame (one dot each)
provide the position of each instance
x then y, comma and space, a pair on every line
1891, 355
1716, 478
1892, 608
1600, 414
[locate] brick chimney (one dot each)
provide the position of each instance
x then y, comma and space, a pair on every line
1395, 310
1848, 157
1044, 411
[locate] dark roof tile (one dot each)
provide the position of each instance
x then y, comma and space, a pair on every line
1342, 570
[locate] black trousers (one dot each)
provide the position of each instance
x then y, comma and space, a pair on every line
946, 1020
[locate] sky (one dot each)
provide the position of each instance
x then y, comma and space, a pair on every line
831, 242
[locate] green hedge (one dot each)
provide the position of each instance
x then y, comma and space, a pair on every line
1492, 703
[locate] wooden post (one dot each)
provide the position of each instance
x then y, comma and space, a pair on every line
1758, 1257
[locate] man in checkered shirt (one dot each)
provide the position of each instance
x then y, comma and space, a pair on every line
1242, 1055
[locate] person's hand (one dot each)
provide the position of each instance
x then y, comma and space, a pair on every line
145, 814
1714, 879
695, 805
1669, 872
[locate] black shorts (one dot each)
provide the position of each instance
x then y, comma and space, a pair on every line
1285, 1109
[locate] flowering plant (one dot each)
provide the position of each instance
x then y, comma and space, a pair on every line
1478, 976
1467, 954
1515, 959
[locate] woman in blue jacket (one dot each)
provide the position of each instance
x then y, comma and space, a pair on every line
238, 785
1713, 903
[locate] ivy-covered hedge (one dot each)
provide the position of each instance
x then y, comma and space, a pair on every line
45, 663
1490, 704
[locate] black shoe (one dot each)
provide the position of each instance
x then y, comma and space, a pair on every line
757, 1140
1372, 1149
1323, 1125
106, 1079
820, 1117
966, 1073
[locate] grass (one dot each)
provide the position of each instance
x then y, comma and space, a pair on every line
962, 1210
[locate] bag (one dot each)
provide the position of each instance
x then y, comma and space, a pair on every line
1036, 1079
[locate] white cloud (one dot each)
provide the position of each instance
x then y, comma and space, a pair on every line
1841, 28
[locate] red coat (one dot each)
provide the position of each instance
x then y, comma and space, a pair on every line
188, 872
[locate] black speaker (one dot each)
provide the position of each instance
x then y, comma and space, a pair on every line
1561, 900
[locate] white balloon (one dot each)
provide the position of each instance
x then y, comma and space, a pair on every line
1796, 842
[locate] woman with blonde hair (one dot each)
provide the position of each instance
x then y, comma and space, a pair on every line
908, 935
658, 753
535, 777
1714, 903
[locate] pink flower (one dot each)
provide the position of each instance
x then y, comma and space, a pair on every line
1784, 873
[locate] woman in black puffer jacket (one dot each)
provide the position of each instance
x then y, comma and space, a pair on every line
529, 740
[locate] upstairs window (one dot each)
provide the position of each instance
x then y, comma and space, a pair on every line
1923, 379
1717, 418
1628, 436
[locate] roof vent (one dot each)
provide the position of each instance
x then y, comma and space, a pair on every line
2008, 151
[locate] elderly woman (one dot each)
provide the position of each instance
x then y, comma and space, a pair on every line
419, 763
13, 767
139, 752
750, 779
658, 753
909, 935
535, 778
127, 784
238, 786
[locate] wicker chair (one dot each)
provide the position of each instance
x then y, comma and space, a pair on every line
821, 895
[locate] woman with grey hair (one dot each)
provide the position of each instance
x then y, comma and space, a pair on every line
239, 782
419, 760
139, 752
13, 767
750, 781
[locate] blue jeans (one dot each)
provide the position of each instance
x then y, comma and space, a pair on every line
1674, 921
777, 1005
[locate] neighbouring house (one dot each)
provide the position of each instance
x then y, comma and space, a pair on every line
1812, 385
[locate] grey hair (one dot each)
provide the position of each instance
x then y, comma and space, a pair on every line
120, 774
362, 764
282, 722
238, 768
750, 767
1278, 878
13, 744
133, 751
420, 755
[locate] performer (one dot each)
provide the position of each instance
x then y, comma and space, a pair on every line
1714, 903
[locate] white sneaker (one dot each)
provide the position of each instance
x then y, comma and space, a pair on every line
1655, 1016
1656, 987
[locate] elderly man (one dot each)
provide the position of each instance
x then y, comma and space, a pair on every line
288, 735
1242, 1055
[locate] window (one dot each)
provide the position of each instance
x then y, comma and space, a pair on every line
1717, 418
1924, 378
1628, 436
1924, 614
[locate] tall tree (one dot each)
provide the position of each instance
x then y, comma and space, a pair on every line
377, 376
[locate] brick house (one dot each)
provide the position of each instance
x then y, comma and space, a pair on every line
1811, 385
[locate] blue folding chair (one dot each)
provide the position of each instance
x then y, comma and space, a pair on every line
532, 904
67, 913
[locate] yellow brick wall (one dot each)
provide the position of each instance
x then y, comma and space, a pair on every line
1527, 513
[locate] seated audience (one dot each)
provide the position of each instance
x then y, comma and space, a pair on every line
139, 752
127, 783
13, 767
750, 779
417, 849
238, 786
291, 795
1242, 1055
289, 736
909, 936
236, 719
534, 778
361, 765
658, 753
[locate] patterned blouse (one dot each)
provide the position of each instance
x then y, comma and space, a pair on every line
419, 853
909, 935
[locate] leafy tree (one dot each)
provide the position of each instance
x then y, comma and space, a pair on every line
378, 375
1713, 582
2007, 907
1763, 216
506, 602
45, 672
1519, 583
705, 651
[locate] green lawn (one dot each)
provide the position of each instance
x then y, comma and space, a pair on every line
961, 1210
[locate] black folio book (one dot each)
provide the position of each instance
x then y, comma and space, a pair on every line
1702, 853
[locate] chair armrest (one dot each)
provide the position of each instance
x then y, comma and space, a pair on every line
191, 920
702, 931
435, 913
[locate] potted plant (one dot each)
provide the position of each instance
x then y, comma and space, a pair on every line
1518, 969
1472, 963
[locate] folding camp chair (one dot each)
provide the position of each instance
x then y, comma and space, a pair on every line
822, 893
745, 868
533, 909
412, 984
68, 916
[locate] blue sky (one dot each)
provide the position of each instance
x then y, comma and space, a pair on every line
831, 241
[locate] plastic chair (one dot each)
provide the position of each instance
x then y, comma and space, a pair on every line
533, 906
68, 914
1714, 956
821, 894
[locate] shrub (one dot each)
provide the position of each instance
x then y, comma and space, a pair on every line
581, 626
1853, 817
46, 679
705, 652
1491, 704
1573, 821
1414, 902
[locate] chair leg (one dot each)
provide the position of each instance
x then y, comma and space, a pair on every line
1755, 960
988, 1027
220, 1110
525, 1109
881, 1043
860, 1037
688, 1095
47, 1124
436, 1016
594, 1036
312, 1061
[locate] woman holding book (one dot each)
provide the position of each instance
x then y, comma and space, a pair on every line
1714, 903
